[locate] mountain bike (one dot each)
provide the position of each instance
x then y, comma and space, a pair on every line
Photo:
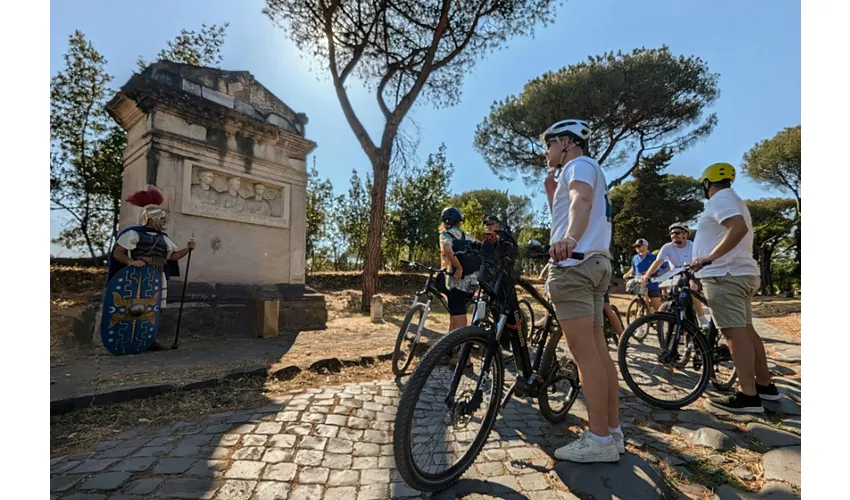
451, 401
679, 346
639, 306
414, 322
610, 333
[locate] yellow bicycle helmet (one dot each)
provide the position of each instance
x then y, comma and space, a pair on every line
718, 172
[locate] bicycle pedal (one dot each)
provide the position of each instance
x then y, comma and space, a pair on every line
568, 369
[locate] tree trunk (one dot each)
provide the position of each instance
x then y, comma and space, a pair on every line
372, 263
766, 271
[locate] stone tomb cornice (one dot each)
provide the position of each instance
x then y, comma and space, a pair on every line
142, 96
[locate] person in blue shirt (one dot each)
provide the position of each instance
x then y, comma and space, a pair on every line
640, 264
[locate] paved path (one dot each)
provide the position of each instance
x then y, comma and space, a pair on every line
335, 443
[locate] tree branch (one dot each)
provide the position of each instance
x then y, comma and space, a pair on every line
617, 181
407, 101
347, 109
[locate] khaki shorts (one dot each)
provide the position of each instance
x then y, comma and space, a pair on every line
577, 291
731, 299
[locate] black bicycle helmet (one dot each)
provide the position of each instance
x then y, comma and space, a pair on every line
451, 215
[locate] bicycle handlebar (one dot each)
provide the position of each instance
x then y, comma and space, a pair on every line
420, 266
543, 253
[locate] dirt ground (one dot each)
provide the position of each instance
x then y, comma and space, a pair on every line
349, 334
780, 312
78, 370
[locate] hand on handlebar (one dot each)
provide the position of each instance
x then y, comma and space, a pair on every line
562, 249
699, 263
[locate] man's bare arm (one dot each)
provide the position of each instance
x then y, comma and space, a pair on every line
581, 201
123, 256
736, 229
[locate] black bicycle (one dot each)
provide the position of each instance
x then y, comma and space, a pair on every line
455, 393
678, 352
413, 325
610, 333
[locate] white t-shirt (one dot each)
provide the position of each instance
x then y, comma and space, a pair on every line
677, 256
739, 261
597, 237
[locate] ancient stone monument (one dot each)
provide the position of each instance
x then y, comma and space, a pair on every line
230, 160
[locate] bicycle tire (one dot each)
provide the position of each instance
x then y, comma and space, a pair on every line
399, 366
701, 346
610, 333
527, 313
637, 309
401, 433
719, 384
546, 365
636, 306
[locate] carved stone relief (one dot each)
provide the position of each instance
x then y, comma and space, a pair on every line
224, 195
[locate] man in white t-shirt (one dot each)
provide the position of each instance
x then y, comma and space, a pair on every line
723, 257
678, 253
581, 222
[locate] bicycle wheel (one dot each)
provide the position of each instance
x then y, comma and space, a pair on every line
638, 309
653, 375
428, 421
406, 342
527, 313
557, 399
723, 373
610, 333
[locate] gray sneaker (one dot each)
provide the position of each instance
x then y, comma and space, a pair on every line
620, 441
586, 450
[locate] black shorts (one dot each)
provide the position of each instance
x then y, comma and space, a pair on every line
457, 300
654, 294
606, 297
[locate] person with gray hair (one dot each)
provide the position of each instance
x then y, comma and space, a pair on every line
257, 204
202, 192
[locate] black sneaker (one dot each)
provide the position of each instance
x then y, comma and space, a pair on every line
738, 403
768, 392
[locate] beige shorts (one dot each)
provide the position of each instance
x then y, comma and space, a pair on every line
731, 299
577, 291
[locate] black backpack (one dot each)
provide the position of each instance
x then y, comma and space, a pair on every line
471, 263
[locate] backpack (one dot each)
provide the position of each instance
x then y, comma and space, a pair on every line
471, 263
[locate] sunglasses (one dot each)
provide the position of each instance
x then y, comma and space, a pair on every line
488, 224
675, 233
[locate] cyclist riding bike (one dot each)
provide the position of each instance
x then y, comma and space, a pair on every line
641, 263
678, 253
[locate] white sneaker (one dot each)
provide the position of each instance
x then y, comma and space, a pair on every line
620, 442
586, 450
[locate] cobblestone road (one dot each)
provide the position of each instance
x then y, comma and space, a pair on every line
335, 443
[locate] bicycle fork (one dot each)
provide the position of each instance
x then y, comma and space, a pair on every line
421, 324
490, 351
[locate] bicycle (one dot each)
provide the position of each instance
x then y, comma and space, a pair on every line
610, 333
639, 306
416, 316
674, 329
460, 407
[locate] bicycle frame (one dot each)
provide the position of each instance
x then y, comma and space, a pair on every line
429, 292
683, 310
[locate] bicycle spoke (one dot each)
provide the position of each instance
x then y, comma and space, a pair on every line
664, 377
442, 432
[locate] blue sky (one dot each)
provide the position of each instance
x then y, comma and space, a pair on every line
754, 45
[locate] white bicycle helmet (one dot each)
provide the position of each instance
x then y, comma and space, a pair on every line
578, 130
